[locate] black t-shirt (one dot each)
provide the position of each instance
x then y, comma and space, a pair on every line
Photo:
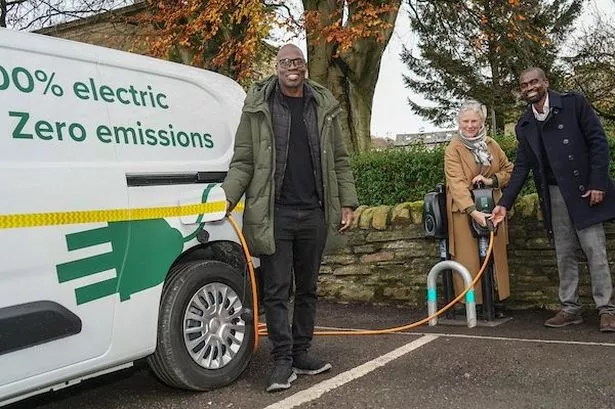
298, 186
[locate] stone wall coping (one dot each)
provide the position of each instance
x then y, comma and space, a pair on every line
384, 216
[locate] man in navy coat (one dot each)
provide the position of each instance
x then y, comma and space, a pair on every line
562, 141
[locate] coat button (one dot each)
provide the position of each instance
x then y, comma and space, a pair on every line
576, 172
560, 126
570, 157
565, 141
581, 188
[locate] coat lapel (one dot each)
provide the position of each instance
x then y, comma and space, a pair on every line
529, 130
467, 158
555, 107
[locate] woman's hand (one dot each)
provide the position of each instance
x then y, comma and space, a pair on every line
479, 217
482, 179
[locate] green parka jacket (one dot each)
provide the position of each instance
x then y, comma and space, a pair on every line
252, 167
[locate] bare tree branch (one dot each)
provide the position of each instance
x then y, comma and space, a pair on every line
592, 66
34, 14
290, 13
2, 13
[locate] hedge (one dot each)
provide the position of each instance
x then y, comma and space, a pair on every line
397, 175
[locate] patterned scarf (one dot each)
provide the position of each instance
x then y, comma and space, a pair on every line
478, 146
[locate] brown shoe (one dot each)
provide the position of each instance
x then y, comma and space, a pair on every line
607, 323
562, 318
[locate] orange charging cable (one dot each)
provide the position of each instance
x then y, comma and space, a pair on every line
246, 253
259, 329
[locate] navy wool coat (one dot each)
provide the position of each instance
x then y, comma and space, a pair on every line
578, 151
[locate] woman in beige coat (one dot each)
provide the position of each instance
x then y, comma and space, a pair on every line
472, 157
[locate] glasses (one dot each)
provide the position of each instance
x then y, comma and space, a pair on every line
289, 62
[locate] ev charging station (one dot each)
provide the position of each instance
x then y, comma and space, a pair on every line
484, 202
435, 226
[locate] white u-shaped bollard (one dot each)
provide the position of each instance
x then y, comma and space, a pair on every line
432, 295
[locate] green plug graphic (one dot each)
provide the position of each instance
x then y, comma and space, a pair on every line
142, 252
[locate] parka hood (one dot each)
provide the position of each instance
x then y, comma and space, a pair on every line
261, 91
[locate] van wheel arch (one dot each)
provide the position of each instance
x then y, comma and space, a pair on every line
228, 252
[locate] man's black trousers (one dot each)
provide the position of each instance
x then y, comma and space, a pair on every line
299, 241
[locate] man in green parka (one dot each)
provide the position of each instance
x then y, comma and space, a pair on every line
291, 163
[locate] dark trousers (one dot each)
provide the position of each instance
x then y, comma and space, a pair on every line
299, 241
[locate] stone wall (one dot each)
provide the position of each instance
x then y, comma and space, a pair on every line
386, 259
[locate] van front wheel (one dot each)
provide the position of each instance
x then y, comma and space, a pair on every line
204, 339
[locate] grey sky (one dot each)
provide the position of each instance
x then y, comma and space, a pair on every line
390, 112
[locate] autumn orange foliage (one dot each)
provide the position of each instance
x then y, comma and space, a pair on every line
227, 35
221, 35
349, 21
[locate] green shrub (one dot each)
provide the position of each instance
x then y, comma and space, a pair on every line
399, 175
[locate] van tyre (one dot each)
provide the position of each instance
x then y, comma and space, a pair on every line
203, 340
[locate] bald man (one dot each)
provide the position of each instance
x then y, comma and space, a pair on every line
291, 163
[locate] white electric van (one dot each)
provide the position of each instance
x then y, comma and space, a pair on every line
114, 244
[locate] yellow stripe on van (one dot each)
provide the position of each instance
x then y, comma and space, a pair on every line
11, 221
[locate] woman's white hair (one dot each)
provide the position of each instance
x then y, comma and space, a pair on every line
472, 106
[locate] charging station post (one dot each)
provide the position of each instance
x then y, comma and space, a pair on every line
484, 202
435, 226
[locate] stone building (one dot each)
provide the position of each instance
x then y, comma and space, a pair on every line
112, 29
429, 139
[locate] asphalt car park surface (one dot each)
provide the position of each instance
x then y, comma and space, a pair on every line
519, 364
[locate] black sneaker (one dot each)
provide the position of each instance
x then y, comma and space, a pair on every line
281, 377
305, 364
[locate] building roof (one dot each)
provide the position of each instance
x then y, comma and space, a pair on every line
95, 18
427, 138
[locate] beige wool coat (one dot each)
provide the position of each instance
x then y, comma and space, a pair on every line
460, 168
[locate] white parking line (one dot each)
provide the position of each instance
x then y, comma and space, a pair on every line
487, 337
319, 389
536, 340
